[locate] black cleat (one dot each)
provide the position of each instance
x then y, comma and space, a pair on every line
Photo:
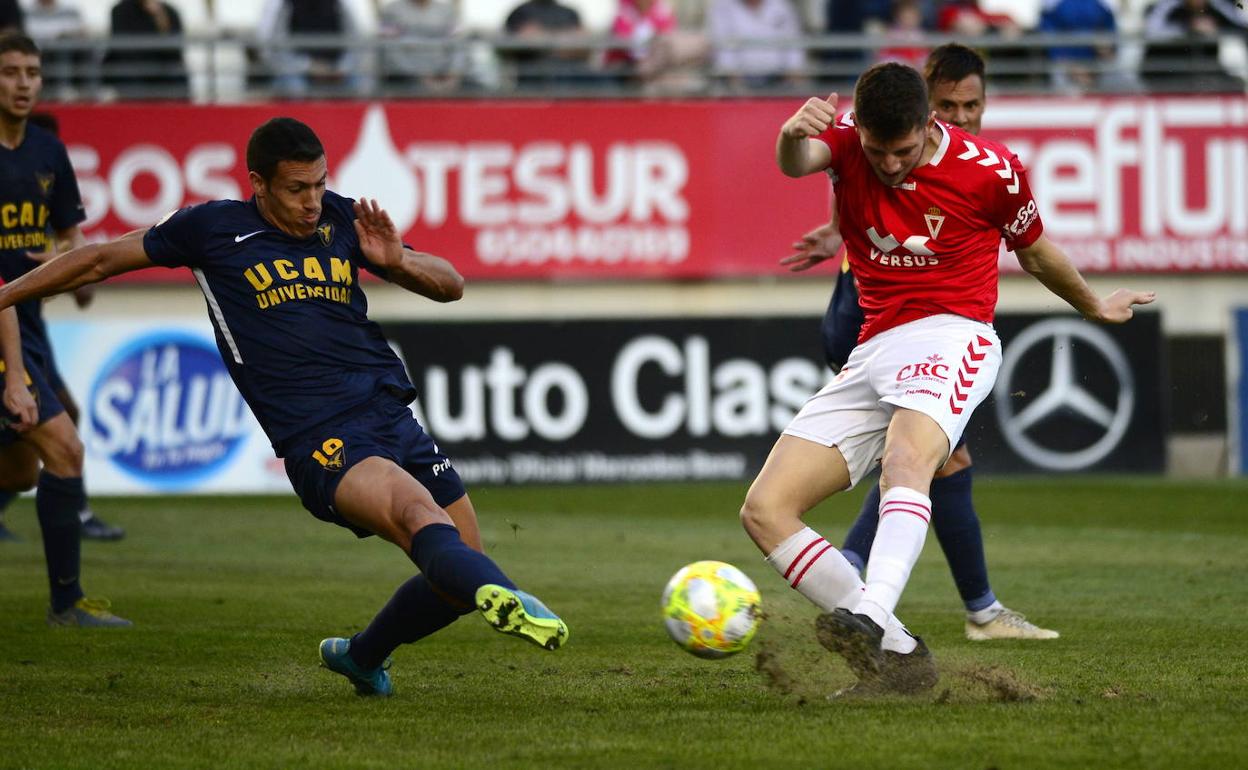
95, 528
909, 674
857, 639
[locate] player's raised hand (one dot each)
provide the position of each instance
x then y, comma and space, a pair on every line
812, 119
814, 247
379, 238
21, 404
1118, 307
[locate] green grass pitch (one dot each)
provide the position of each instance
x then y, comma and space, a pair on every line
1145, 580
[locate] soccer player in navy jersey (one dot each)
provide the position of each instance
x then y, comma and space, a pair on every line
280, 276
923, 216
38, 199
35, 335
955, 82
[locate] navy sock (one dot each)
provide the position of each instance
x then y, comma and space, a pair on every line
57, 502
6, 497
861, 535
957, 529
414, 612
453, 567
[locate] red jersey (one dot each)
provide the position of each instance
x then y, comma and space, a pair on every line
929, 245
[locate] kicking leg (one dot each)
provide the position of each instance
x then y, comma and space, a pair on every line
381, 497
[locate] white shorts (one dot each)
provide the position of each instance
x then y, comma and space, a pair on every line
942, 366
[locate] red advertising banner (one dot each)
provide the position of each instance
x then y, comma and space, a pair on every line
616, 189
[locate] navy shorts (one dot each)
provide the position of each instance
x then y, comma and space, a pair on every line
49, 405
317, 461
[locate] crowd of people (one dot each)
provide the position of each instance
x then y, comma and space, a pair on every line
422, 47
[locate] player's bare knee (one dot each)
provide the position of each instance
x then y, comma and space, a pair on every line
760, 517
908, 465
64, 457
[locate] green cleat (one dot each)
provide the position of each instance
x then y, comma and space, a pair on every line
515, 612
335, 658
88, 613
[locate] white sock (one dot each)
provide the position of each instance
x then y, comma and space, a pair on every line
904, 515
986, 614
897, 638
817, 570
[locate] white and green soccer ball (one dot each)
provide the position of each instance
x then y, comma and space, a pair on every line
711, 609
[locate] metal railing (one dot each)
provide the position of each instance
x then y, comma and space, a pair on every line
225, 68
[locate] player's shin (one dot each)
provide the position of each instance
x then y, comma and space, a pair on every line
904, 517
457, 570
414, 612
57, 501
818, 571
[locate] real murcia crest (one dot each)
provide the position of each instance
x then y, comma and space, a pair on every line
935, 220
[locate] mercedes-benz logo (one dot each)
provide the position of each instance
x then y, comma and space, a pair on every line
1064, 394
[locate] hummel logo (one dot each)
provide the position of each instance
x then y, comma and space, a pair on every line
241, 238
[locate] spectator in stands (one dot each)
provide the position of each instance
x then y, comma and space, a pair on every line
863, 20
1013, 65
10, 16
425, 55
638, 23
544, 66
904, 35
146, 72
1182, 51
1082, 68
658, 53
52, 20
753, 41
297, 61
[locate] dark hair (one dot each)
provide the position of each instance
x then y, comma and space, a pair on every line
281, 139
45, 120
16, 41
952, 63
890, 101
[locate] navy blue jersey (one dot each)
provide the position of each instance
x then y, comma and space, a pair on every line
290, 316
843, 320
38, 196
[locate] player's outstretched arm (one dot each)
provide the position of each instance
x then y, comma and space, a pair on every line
818, 245
1050, 265
17, 398
796, 155
420, 273
88, 264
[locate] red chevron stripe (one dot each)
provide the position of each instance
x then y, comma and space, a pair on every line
983, 342
964, 382
970, 351
954, 407
966, 367
959, 395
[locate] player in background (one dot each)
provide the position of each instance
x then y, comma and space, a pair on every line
39, 195
279, 273
35, 334
927, 356
955, 82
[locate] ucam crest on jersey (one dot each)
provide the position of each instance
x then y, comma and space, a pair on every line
165, 411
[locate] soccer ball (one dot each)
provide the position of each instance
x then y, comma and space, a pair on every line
711, 609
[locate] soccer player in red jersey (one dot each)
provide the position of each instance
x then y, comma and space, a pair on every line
922, 207
955, 84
